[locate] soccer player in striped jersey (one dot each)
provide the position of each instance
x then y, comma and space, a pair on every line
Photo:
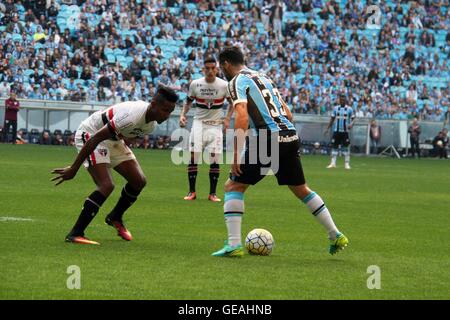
343, 119
209, 94
100, 144
258, 103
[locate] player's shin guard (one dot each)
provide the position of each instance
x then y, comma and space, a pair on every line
233, 210
192, 175
90, 209
214, 172
317, 207
127, 198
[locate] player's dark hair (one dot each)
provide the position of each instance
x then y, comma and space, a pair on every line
167, 93
209, 59
232, 55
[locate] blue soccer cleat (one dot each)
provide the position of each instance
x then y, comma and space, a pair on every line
230, 251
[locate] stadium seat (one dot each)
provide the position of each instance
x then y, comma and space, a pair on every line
74, 9
28, 72
191, 7
111, 58
182, 96
146, 73
119, 52
16, 37
174, 10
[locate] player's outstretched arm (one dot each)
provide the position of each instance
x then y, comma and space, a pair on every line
227, 120
69, 173
240, 127
329, 124
186, 108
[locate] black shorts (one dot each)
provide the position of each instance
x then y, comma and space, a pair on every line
285, 164
340, 139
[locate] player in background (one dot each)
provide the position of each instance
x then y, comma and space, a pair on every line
258, 102
343, 119
100, 144
209, 94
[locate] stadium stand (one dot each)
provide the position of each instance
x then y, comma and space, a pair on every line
394, 68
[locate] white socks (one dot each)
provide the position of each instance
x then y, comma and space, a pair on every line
317, 207
347, 157
233, 208
334, 154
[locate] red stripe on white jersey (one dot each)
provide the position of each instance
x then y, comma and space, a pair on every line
215, 101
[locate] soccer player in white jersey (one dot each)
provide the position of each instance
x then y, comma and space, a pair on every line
100, 144
209, 94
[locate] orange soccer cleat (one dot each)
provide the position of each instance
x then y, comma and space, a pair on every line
191, 196
122, 231
80, 240
213, 197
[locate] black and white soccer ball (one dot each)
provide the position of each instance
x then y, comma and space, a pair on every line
259, 242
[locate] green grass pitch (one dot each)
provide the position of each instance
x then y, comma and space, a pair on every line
396, 214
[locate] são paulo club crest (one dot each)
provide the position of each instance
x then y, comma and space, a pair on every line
102, 152
210, 103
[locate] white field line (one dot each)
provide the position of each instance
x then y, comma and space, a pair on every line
6, 219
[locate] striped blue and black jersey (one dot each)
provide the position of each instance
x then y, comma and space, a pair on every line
343, 116
264, 102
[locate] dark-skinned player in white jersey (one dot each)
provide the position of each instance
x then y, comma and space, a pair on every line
99, 140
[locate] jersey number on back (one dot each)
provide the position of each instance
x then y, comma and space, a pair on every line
274, 112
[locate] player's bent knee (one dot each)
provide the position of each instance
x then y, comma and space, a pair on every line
140, 183
231, 185
106, 188
301, 191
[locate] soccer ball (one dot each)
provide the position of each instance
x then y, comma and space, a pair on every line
259, 242
439, 143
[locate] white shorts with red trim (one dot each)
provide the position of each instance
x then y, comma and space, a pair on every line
206, 135
109, 151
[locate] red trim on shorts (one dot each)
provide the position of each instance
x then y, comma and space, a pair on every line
110, 113
92, 155
113, 125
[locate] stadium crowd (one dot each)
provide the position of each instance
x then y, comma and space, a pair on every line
391, 63
67, 138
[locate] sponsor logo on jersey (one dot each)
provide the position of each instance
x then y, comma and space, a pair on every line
138, 132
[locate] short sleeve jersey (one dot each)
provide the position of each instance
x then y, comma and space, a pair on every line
125, 120
209, 98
